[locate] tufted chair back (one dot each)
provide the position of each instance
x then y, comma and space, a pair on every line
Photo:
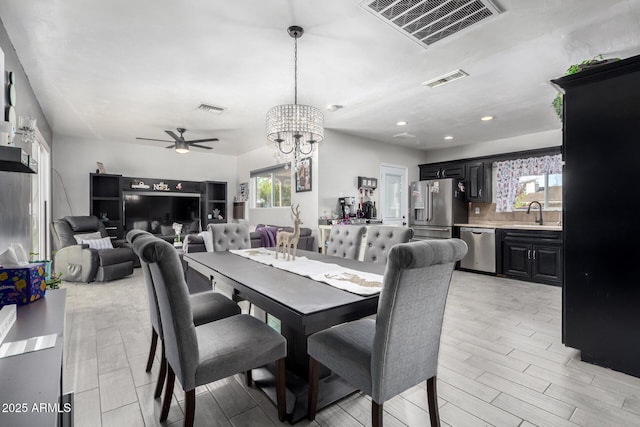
380, 239
345, 241
399, 349
230, 236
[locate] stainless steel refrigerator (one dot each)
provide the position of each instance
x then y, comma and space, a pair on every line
435, 206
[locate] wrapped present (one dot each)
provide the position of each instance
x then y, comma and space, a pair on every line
22, 284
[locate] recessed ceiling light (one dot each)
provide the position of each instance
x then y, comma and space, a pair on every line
486, 118
448, 137
401, 123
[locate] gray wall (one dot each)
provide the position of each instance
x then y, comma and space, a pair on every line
76, 158
15, 188
337, 163
531, 141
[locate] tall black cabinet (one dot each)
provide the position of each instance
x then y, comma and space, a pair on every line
105, 199
601, 295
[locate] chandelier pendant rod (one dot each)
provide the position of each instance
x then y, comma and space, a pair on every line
295, 70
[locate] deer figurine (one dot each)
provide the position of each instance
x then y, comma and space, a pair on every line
288, 240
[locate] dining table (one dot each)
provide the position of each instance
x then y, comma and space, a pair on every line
302, 305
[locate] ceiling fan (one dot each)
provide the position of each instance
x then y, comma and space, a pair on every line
180, 144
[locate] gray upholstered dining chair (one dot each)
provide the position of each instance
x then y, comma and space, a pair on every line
345, 241
227, 237
230, 236
399, 349
198, 355
380, 238
206, 307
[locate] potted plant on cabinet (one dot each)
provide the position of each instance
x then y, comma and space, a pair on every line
576, 68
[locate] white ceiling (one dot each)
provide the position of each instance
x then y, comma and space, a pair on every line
113, 70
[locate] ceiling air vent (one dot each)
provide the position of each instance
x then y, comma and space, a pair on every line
449, 77
210, 108
428, 21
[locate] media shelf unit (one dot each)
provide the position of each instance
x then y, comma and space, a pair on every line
105, 193
106, 197
215, 198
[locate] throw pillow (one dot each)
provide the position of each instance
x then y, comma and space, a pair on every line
167, 230
99, 244
87, 236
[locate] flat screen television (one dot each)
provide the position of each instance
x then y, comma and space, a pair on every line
160, 210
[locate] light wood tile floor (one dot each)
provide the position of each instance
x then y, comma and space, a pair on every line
501, 364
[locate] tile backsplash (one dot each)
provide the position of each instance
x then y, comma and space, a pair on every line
488, 215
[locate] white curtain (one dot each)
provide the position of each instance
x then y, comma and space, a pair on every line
510, 171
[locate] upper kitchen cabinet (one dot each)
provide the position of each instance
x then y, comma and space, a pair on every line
601, 295
478, 178
442, 170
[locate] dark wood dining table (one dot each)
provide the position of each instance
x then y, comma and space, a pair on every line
303, 306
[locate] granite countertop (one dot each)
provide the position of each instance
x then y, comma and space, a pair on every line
549, 227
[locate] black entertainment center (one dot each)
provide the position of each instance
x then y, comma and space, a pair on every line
124, 203
153, 210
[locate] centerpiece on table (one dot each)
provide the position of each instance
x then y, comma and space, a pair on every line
177, 227
287, 240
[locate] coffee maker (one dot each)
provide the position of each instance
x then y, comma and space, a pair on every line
346, 207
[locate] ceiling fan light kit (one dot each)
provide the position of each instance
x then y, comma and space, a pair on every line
182, 147
293, 128
179, 143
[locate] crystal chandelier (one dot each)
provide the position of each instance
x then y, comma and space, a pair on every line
294, 129
27, 128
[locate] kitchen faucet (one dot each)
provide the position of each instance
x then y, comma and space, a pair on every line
540, 206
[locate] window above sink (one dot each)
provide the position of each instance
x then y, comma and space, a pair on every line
520, 181
545, 188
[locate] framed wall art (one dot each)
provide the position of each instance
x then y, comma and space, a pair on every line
303, 175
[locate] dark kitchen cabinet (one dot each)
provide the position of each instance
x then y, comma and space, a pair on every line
442, 170
601, 293
532, 255
478, 179
105, 202
515, 260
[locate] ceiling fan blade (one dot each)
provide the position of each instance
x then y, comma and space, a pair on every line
152, 139
201, 146
171, 146
203, 140
172, 135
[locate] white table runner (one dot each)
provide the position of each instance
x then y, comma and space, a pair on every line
357, 282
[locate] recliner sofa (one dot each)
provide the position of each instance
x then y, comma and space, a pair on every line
78, 262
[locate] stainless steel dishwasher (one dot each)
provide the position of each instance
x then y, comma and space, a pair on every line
482, 249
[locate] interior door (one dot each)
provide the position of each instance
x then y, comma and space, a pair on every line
394, 202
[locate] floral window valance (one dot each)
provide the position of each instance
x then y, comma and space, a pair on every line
510, 171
